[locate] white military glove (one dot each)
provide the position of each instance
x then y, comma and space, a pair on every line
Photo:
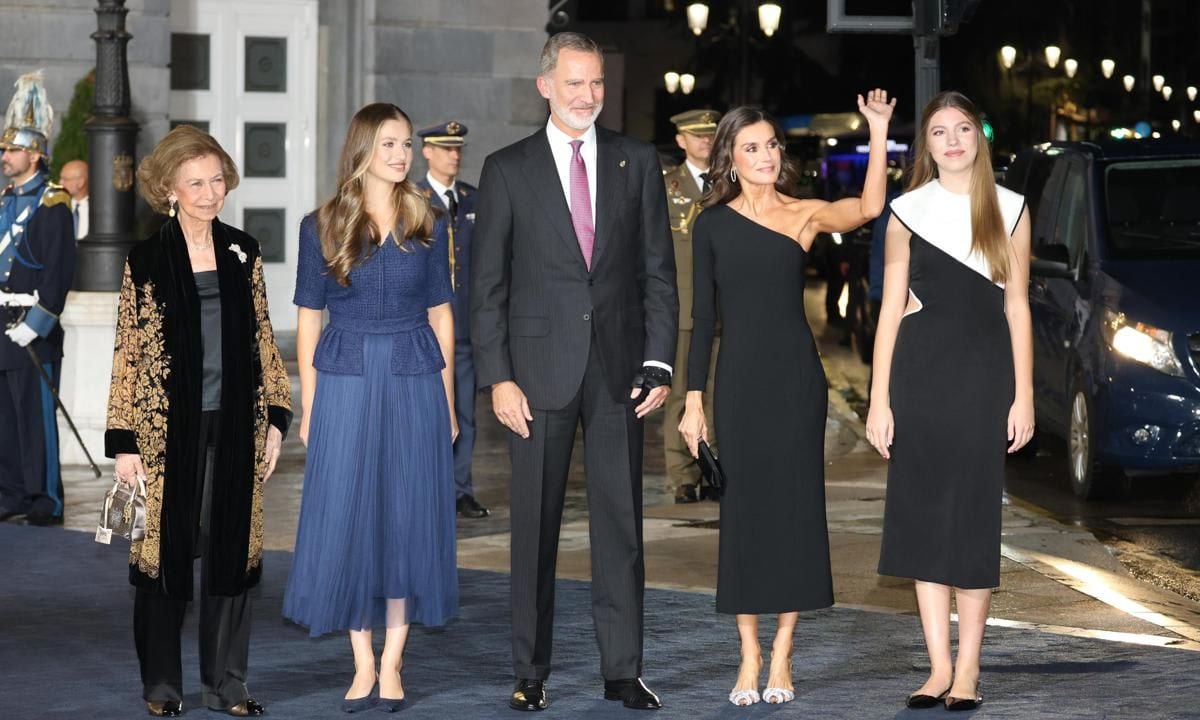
22, 334
11, 299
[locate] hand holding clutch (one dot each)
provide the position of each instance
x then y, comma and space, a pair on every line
710, 468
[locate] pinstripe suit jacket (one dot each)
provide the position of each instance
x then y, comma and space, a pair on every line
535, 307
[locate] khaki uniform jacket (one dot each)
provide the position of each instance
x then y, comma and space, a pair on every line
683, 205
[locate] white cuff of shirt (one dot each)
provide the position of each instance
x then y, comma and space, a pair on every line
658, 364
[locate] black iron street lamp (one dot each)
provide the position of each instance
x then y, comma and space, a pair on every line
111, 143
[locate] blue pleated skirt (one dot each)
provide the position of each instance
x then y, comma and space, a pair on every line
377, 512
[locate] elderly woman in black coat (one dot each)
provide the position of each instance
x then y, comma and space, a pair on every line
198, 407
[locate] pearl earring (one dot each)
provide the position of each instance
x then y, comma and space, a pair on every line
171, 210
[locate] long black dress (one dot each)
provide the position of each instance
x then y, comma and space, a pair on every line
770, 404
951, 389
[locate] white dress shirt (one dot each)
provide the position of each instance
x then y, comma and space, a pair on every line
80, 209
560, 147
695, 171
439, 189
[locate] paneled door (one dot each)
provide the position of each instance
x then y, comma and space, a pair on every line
246, 72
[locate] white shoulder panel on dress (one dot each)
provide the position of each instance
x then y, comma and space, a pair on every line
943, 219
1011, 205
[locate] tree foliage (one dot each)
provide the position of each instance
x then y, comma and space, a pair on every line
72, 143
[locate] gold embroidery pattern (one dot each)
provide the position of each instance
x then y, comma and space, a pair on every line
125, 358
138, 402
275, 389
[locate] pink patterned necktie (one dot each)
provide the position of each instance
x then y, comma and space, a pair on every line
581, 205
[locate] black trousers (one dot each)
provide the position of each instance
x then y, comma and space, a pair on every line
224, 622
30, 477
612, 446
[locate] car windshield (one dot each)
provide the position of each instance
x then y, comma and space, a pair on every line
1153, 209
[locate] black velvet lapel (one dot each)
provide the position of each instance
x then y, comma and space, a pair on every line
180, 306
233, 474
234, 462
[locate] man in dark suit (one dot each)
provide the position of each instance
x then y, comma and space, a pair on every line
573, 319
442, 147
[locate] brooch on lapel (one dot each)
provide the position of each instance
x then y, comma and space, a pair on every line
237, 249
622, 163
470, 217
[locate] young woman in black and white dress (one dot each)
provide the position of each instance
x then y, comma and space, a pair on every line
953, 387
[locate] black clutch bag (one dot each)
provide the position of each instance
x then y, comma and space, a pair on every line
710, 468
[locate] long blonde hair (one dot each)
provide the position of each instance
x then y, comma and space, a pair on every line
348, 236
989, 237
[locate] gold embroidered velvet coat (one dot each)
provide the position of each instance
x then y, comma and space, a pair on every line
155, 408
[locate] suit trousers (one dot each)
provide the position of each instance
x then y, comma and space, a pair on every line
682, 468
464, 411
224, 624
30, 477
612, 447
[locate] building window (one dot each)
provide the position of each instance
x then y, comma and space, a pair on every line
266, 64
265, 150
189, 61
266, 226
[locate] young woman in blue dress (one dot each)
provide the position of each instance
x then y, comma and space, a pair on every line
375, 543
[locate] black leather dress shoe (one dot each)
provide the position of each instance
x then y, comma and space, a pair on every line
247, 708
528, 694
39, 519
469, 507
632, 693
686, 493
170, 708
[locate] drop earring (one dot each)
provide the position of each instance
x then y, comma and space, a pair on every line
733, 174
171, 210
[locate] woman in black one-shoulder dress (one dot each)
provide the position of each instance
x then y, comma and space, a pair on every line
750, 249
953, 386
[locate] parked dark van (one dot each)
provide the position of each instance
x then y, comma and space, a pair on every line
1115, 297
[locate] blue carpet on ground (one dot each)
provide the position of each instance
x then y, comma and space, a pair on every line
66, 651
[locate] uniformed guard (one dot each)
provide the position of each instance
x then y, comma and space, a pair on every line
37, 266
442, 148
685, 185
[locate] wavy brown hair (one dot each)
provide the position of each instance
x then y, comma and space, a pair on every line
348, 236
156, 172
724, 188
989, 237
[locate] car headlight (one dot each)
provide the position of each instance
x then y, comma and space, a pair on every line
1141, 343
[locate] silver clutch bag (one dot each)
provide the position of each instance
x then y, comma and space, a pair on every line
124, 513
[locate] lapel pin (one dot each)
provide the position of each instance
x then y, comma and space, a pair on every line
622, 163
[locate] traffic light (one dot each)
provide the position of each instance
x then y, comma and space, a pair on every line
941, 17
